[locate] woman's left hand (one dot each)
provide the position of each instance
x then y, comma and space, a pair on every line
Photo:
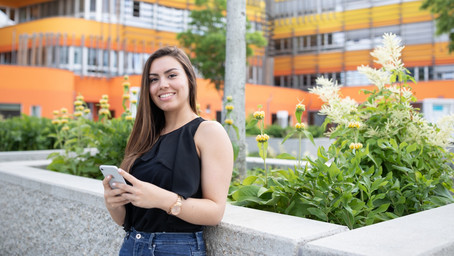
139, 193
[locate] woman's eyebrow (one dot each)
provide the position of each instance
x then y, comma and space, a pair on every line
165, 72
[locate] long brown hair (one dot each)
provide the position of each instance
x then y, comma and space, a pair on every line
150, 119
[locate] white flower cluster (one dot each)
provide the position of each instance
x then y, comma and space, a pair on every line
378, 77
401, 91
389, 54
336, 108
444, 136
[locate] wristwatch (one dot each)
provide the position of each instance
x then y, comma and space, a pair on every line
175, 209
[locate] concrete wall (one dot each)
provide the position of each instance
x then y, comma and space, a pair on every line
49, 213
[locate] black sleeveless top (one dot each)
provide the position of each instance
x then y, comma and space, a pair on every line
172, 164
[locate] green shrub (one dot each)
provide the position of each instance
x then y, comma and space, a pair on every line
25, 133
386, 161
316, 131
108, 136
251, 127
276, 131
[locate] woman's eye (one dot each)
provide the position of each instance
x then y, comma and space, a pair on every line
152, 80
172, 75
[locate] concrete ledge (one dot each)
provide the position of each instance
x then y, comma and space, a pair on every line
26, 155
257, 162
6, 156
429, 232
245, 231
49, 213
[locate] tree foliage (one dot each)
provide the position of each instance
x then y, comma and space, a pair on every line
444, 11
206, 36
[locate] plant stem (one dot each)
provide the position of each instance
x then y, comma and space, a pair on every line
264, 163
299, 151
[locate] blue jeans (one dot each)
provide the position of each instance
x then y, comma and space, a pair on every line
162, 244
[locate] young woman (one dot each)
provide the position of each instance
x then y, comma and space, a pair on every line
177, 165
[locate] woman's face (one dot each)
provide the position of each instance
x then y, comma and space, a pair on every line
169, 88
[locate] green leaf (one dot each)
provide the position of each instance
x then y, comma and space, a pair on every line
318, 213
288, 136
309, 136
249, 180
412, 148
245, 192
381, 208
285, 156
236, 131
263, 149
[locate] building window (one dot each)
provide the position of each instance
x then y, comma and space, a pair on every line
9, 110
35, 111
77, 55
92, 5
136, 9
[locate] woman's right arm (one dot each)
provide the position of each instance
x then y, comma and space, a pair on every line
115, 203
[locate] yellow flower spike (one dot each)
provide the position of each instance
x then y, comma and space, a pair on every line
259, 115
56, 112
126, 77
300, 108
352, 145
87, 111
80, 97
64, 121
359, 145
134, 91
78, 103
229, 121
300, 126
78, 113
126, 96
128, 118
65, 128
65, 116
80, 108
229, 98
55, 121
64, 110
126, 85
134, 101
354, 124
262, 138
103, 101
229, 107
105, 97
106, 106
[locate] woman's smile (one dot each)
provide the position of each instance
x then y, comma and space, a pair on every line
166, 96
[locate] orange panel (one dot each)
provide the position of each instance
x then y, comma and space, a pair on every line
46, 87
442, 55
330, 62
353, 59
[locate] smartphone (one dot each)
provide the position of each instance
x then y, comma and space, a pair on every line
112, 170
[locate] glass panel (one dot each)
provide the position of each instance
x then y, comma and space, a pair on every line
9, 110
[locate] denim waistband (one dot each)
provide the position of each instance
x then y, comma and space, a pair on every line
195, 238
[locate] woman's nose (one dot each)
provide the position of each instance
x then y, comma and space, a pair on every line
163, 83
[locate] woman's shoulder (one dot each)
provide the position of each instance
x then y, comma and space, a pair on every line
210, 131
208, 126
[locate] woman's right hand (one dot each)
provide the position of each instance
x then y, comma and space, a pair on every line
112, 197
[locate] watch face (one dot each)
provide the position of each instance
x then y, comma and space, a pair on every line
176, 209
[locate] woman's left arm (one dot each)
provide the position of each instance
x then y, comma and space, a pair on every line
216, 155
